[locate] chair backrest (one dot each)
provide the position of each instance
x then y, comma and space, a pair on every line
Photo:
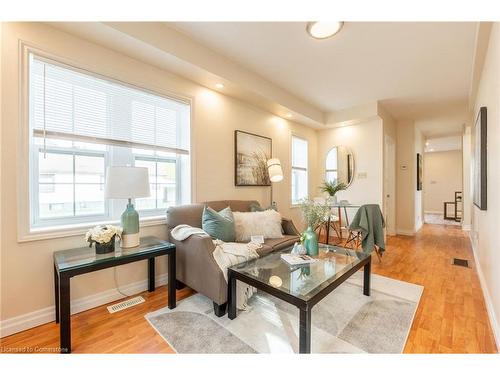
373, 212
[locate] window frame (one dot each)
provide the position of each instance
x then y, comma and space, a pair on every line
326, 161
178, 185
292, 168
34, 182
26, 232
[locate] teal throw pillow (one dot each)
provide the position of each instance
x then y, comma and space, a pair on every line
219, 225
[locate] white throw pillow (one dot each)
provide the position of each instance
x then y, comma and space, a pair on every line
266, 223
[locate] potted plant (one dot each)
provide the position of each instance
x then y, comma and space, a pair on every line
104, 238
332, 188
313, 213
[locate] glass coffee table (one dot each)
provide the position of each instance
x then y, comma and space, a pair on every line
302, 286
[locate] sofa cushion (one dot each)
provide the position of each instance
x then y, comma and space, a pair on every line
189, 214
281, 243
265, 223
236, 205
219, 225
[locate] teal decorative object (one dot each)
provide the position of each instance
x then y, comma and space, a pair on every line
310, 240
219, 225
130, 219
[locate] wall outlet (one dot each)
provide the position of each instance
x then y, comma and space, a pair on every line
362, 174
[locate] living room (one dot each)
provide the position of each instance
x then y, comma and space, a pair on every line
231, 157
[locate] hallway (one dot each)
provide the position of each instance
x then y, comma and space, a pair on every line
452, 316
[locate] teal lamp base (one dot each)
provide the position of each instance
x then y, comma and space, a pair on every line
130, 225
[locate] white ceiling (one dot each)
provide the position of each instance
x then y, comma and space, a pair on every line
411, 67
443, 144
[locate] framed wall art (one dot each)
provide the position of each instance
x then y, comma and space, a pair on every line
251, 154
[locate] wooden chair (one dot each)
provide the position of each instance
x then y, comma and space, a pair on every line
354, 239
355, 236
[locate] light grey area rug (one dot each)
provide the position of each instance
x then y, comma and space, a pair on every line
345, 321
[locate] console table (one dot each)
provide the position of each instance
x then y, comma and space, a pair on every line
73, 262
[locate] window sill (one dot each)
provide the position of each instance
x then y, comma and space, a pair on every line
81, 229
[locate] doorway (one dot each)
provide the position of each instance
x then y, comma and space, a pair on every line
390, 185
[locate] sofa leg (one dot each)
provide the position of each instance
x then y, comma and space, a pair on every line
220, 310
179, 285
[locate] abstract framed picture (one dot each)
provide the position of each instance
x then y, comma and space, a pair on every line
419, 172
251, 154
479, 155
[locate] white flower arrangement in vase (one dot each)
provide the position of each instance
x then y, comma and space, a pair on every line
104, 238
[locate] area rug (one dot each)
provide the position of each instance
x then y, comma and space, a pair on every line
345, 321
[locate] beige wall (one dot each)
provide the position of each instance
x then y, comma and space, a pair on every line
442, 177
466, 179
405, 178
26, 283
366, 142
484, 232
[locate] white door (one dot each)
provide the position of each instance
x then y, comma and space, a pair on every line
390, 185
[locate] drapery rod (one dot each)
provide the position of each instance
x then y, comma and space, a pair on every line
105, 141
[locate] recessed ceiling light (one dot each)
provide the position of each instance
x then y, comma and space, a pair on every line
431, 149
289, 115
219, 85
427, 143
323, 30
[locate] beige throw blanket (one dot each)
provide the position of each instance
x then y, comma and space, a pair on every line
226, 254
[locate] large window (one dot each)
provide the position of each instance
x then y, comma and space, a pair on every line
80, 124
299, 169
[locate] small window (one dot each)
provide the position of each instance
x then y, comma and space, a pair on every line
331, 165
299, 169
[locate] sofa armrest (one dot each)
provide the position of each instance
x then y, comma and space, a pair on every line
196, 267
289, 227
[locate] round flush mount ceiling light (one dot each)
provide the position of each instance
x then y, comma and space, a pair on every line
323, 30
219, 85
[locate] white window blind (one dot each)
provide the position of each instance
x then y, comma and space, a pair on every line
68, 104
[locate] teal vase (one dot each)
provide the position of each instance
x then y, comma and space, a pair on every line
311, 241
130, 220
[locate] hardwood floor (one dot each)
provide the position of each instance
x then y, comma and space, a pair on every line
451, 317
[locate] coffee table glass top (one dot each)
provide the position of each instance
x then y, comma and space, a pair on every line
85, 256
302, 281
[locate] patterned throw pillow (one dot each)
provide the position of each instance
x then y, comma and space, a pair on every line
219, 225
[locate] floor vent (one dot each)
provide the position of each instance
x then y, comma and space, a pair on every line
460, 262
125, 304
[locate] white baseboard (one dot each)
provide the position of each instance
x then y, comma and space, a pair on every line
405, 232
47, 314
434, 212
487, 298
418, 226
466, 227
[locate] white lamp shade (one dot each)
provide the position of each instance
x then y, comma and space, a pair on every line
275, 171
127, 182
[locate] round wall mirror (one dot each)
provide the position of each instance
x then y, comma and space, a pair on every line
340, 165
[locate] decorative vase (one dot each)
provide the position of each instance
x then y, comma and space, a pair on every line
311, 241
104, 248
333, 199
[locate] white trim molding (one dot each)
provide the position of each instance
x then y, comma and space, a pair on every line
405, 232
487, 298
46, 315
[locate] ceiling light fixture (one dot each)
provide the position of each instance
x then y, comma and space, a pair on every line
219, 85
323, 30
289, 115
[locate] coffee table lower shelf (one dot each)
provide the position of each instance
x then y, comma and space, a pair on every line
304, 306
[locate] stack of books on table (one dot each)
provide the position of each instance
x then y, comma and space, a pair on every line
297, 259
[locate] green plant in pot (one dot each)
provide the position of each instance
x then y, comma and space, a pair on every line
104, 238
332, 188
313, 214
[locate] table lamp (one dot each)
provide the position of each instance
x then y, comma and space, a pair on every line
128, 183
275, 175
